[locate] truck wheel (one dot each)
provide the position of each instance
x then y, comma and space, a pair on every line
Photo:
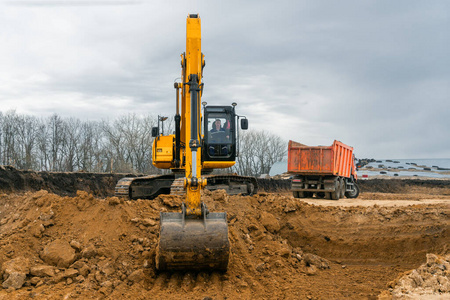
343, 187
298, 194
250, 189
353, 193
337, 190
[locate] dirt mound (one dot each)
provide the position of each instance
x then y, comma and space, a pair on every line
431, 281
85, 247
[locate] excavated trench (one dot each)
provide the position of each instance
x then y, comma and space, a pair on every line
370, 235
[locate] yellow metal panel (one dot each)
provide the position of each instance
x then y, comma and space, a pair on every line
163, 165
218, 164
163, 149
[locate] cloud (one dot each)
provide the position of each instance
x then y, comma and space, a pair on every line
373, 74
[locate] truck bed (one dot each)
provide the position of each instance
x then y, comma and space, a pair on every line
336, 160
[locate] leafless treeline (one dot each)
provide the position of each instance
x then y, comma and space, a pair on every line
122, 145
259, 150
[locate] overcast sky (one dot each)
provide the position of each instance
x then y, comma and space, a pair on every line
372, 74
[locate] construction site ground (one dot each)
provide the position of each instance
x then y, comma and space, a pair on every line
57, 243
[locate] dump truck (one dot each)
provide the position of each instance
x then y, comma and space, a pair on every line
325, 171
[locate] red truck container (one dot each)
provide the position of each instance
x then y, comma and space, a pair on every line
326, 171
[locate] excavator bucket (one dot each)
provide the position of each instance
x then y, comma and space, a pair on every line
187, 243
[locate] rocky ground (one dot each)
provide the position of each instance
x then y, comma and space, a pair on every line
54, 246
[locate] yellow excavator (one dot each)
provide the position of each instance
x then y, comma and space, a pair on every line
195, 238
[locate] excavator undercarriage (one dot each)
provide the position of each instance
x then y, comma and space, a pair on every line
149, 187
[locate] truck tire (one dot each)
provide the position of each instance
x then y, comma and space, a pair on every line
335, 195
343, 188
250, 189
354, 193
308, 194
298, 194
337, 190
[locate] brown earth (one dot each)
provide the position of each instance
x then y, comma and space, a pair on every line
81, 246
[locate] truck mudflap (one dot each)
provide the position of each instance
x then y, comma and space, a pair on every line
193, 243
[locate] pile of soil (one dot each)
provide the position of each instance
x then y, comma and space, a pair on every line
430, 281
55, 247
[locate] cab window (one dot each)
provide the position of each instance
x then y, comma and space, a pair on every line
219, 134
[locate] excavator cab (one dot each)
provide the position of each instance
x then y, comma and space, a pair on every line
219, 133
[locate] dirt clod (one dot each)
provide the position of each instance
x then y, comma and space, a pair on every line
89, 252
42, 271
58, 253
314, 260
14, 280
269, 222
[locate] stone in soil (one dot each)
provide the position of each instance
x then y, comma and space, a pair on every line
59, 253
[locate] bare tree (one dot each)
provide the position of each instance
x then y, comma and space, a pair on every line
131, 141
89, 154
26, 128
71, 143
57, 130
142, 150
259, 150
42, 144
9, 130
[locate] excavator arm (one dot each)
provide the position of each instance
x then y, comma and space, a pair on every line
192, 66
